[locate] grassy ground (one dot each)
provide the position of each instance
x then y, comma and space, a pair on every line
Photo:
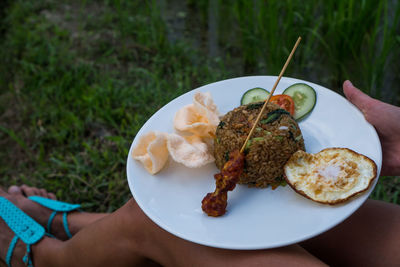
79, 79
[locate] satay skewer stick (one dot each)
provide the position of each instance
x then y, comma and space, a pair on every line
272, 92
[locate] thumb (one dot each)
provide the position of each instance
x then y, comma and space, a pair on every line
357, 97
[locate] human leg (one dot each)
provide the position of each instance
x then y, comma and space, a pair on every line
370, 237
129, 230
128, 238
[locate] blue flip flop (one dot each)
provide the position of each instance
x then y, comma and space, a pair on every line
57, 207
24, 228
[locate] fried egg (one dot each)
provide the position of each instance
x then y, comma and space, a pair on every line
332, 176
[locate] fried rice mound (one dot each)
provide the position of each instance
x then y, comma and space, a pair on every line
276, 137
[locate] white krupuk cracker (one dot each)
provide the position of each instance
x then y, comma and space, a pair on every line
191, 151
152, 151
197, 123
205, 106
200, 118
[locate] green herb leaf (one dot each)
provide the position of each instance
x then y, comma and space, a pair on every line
274, 115
221, 124
255, 105
226, 155
257, 139
248, 144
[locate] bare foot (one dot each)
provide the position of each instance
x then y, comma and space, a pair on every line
6, 235
36, 211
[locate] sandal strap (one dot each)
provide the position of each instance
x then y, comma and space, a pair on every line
27, 259
65, 224
54, 204
10, 250
50, 220
26, 228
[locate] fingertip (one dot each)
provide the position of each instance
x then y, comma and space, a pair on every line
353, 94
347, 83
347, 88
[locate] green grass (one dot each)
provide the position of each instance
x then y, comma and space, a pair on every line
79, 79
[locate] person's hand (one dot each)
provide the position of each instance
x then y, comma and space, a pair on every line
386, 120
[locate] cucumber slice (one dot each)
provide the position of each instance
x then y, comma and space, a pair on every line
254, 95
304, 98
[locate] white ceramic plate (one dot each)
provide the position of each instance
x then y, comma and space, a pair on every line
255, 218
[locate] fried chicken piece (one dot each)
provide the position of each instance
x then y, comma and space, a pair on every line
214, 204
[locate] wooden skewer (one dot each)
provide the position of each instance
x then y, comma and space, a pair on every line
272, 92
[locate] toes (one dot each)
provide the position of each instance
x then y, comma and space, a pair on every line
33, 191
29, 191
14, 190
43, 192
51, 196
